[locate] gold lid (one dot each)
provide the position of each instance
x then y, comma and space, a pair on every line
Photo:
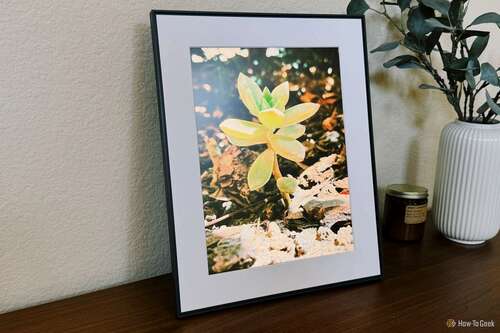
407, 191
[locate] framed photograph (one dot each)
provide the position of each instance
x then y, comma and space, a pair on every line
267, 143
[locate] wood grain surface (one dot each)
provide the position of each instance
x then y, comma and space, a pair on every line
424, 285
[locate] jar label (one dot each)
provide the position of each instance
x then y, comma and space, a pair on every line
415, 214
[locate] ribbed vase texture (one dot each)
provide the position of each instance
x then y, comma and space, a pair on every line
466, 205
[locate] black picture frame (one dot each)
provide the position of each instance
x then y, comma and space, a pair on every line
166, 162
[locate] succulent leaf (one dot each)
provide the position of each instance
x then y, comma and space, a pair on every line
244, 131
267, 99
280, 95
287, 184
250, 93
292, 131
261, 170
299, 112
288, 148
272, 118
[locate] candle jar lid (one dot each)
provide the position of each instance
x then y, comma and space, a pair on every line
407, 191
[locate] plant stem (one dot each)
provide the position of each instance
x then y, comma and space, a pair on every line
277, 175
394, 24
492, 115
484, 85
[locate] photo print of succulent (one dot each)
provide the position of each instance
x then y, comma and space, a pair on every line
272, 155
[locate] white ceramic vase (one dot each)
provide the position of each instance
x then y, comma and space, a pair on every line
466, 205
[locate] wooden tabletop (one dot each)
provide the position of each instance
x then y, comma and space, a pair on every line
424, 285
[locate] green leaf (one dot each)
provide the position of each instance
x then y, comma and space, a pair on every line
357, 7
456, 12
244, 130
416, 22
489, 74
428, 86
469, 74
483, 108
411, 65
287, 184
476, 66
479, 45
272, 118
426, 11
436, 24
404, 61
280, 95
470, 80
464, 34
267, 99
385, 47
442, 6
456, 68
490, 17
404, 4
415, 44
491, 103
288, 148
261, 170
250, 93
292, 131
431, 41
299, 112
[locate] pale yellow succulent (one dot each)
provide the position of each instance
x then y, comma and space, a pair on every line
278, 128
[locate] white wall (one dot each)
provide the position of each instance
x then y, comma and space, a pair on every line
81, 184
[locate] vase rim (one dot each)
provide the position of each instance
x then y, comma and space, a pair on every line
477, 125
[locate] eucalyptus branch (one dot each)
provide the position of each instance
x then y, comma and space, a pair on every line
492, 115
429, 22
439, 80
389, 18
484, 85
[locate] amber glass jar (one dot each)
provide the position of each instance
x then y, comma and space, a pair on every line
405, 212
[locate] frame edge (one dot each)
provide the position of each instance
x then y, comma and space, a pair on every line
161, 109
166, 164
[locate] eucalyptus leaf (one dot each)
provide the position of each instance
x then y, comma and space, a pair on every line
459, 64
469, 74
357, 7
404, 61
490, 17
404, 4
386, 47
412, 42
456, 12
483, 108
474, 65
432, 40
489, 74
426, 11
410, 65
442, 6
464, 34
491, 103
479, 45
428, 86
436, 24
416, 22
447, 58
456, 69
470, 80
